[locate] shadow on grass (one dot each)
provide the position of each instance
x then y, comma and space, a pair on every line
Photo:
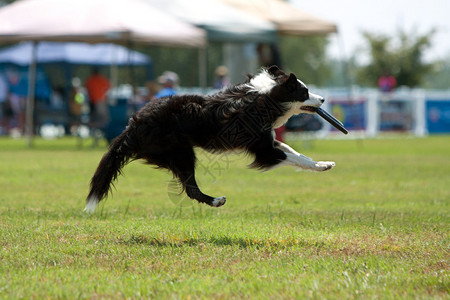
220, 241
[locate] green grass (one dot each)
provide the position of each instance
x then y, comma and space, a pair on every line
376, 226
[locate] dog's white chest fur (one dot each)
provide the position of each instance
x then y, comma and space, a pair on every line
293, 110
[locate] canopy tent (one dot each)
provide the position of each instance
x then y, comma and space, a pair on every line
73, 53
222, 22
287, 18
94, 21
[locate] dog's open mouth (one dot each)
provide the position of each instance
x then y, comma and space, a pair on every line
309, 108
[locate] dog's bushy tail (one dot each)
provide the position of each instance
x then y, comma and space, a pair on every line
119, 153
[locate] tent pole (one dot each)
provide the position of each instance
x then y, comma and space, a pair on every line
29, 122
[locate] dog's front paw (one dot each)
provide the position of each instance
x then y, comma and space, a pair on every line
323, 165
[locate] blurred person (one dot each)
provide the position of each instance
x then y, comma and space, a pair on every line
169, 81
97, 88
269, 55
56, 97
137, 100
77, 104
387, 82
5, 109
221, 79
17, 100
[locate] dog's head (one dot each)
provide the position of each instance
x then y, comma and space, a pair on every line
286, 89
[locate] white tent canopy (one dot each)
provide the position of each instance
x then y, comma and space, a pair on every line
288, 18
222, 22
95, 21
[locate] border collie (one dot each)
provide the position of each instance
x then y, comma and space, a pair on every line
241, 117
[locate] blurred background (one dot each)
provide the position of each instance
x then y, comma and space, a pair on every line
383, 66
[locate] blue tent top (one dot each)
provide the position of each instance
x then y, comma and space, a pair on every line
73, 53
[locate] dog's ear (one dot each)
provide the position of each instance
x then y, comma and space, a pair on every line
291, 82
275, 71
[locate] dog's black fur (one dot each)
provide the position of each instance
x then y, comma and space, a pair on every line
165, 132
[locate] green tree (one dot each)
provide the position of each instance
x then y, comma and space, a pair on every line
401, 56
439, 77
306, 57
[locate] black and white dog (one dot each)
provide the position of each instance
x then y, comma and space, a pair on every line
241, 117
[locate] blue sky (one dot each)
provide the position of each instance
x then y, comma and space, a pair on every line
383, 16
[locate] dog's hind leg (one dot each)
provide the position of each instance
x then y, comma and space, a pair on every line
183, 167
189, 183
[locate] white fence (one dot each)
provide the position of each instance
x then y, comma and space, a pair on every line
369, 112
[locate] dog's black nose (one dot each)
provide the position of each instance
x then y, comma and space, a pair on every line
322, 100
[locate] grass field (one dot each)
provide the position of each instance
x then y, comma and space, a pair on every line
376, 226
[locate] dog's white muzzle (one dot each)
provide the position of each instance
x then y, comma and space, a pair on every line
310, 106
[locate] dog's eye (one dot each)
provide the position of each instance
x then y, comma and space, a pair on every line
306, 94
